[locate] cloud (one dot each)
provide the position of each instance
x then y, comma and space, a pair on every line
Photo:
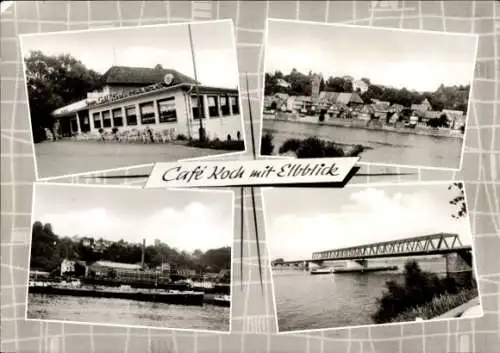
370, 216
195, 226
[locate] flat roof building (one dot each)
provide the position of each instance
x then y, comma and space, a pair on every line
163, 100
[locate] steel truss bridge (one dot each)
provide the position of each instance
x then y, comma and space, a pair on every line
435, 244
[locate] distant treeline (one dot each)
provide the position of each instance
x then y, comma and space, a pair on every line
454, 97
49, 249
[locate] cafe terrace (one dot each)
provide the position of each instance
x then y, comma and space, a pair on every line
163, 100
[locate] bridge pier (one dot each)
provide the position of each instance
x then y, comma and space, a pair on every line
459, 267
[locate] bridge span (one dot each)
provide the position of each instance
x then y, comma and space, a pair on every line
434, 244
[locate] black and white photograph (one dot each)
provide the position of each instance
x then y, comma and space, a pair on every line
108, 98
131, 257
392, 97
370, 255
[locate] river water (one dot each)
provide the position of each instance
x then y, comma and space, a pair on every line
305, 302
388, 147
127, 312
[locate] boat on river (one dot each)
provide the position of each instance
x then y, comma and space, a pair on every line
360, 269
219, 300
150, 295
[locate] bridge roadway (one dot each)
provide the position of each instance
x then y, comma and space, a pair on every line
434, 244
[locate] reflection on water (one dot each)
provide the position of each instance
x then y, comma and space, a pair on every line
127, 312
305, 302
388, 147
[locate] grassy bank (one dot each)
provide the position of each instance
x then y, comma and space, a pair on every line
311, 147
438, 306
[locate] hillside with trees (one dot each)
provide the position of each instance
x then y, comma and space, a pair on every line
49, 249
55, 81
452, 97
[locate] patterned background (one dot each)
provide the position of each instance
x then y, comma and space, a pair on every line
253, 322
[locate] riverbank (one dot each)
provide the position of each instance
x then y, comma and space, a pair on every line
445, 306
369, 125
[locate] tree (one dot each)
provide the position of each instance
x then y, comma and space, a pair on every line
459, 200
266, 145
54, 81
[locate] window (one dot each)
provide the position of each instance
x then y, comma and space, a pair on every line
106, 119
224, 105
147, 113
213, 106
117, 117
234, 105
197, 112
131, 116
167, 110
97, 120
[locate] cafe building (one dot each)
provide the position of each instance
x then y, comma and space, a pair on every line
162, 100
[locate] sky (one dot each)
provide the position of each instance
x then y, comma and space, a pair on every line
167, 45
186, 220
327, 219
412, 59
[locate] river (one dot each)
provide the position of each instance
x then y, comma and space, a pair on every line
127, 312
388, 147
305, 302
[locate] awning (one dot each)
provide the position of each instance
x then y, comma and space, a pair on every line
70, 109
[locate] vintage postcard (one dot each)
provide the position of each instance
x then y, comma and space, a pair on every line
109, 98
131, 257
367, 255
392, 97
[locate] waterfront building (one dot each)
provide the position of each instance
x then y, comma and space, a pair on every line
359, 85
126, 273
422, 107
455, 117
131, 99
67, 266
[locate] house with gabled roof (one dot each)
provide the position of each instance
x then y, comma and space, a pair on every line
422, 107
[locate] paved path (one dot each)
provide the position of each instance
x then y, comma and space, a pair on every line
71, 157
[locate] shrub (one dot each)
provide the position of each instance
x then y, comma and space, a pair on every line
232, 145
313, 147
322, 116
101, 130
181, 137
114, 130
290, 145
266, 144
419, 288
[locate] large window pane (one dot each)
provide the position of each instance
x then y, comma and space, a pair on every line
106, 119
147, 113
131, 115
235, 105
224, 105
97, 120
213, 106
167, 109
197, 105
117, 117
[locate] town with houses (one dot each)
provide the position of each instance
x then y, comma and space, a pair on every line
350, 105
74, 272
